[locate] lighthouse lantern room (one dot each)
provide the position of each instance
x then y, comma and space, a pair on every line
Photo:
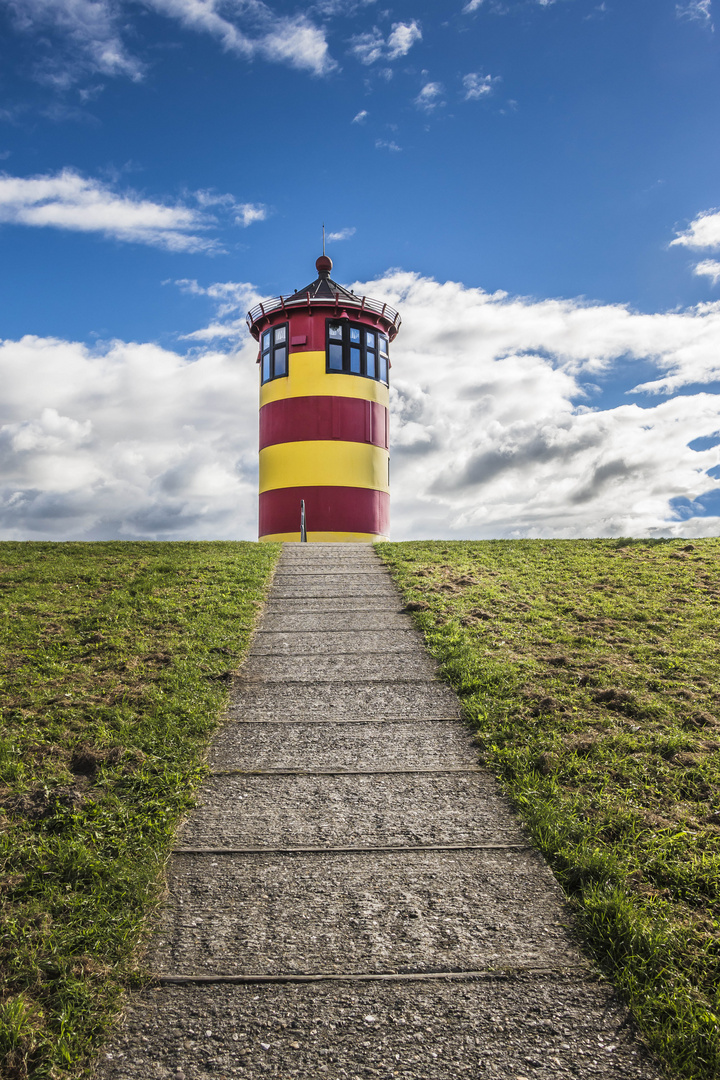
324, 366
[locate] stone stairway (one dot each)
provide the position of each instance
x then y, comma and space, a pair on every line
353, 896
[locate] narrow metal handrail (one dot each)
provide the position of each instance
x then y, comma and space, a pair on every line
362, 303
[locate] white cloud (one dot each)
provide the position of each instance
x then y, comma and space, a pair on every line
473, 5
361, 117
292, 40
372, 46
695, 10
402, 38
495, 429
703, 232
90, 33
342, 234
387, 144
429, 97
248, 213
87, 34
477, 85
130, 441
488, 438
67, 200
708, 268
232, 300
300, 44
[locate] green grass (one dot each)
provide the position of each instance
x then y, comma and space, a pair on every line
114, 662
590, 671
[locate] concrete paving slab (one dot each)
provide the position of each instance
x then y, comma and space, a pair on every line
360, 913
373, 667
343, 746
375, 640
332, 604
543, 1027
291, 622
252, 811
369, 569
341, 700
337, 590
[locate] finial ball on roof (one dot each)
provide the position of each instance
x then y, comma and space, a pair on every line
324, 264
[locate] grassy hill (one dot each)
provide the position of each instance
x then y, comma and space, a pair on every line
590, 671
114, 660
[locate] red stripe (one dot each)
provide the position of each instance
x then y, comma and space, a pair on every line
302, 418
327, 509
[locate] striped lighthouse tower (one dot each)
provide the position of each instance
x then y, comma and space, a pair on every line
324, 364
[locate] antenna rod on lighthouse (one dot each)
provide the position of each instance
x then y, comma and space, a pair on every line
323, 237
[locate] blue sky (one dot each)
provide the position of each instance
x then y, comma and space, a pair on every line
534, 184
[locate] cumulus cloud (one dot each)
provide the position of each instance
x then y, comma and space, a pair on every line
708, 268
372, 46
477, 85
473, 5
387, 144
495, 432
360, 118
248, 213
496, 427
67, 200
131, 441
430, 96
702, 232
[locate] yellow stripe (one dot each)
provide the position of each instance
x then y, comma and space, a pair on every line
325, 463
307, 378
323, 538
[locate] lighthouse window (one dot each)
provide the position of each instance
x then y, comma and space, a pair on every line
356, 350
274, 353
335, 357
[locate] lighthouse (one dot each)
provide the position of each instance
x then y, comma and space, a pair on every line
324, 363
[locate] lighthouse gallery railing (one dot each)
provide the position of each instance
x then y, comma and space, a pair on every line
358, 303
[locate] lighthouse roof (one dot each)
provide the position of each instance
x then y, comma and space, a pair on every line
323, 291
323, 287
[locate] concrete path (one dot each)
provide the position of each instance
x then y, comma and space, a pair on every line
353, 897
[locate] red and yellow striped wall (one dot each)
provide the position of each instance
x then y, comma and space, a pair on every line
324, 439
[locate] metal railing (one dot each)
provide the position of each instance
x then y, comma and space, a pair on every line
358, 303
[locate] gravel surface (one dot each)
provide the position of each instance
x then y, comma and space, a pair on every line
343, 746
522, 1028
314, 695
252, 811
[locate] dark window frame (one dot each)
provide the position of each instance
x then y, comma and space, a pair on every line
380, 358
270, 353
